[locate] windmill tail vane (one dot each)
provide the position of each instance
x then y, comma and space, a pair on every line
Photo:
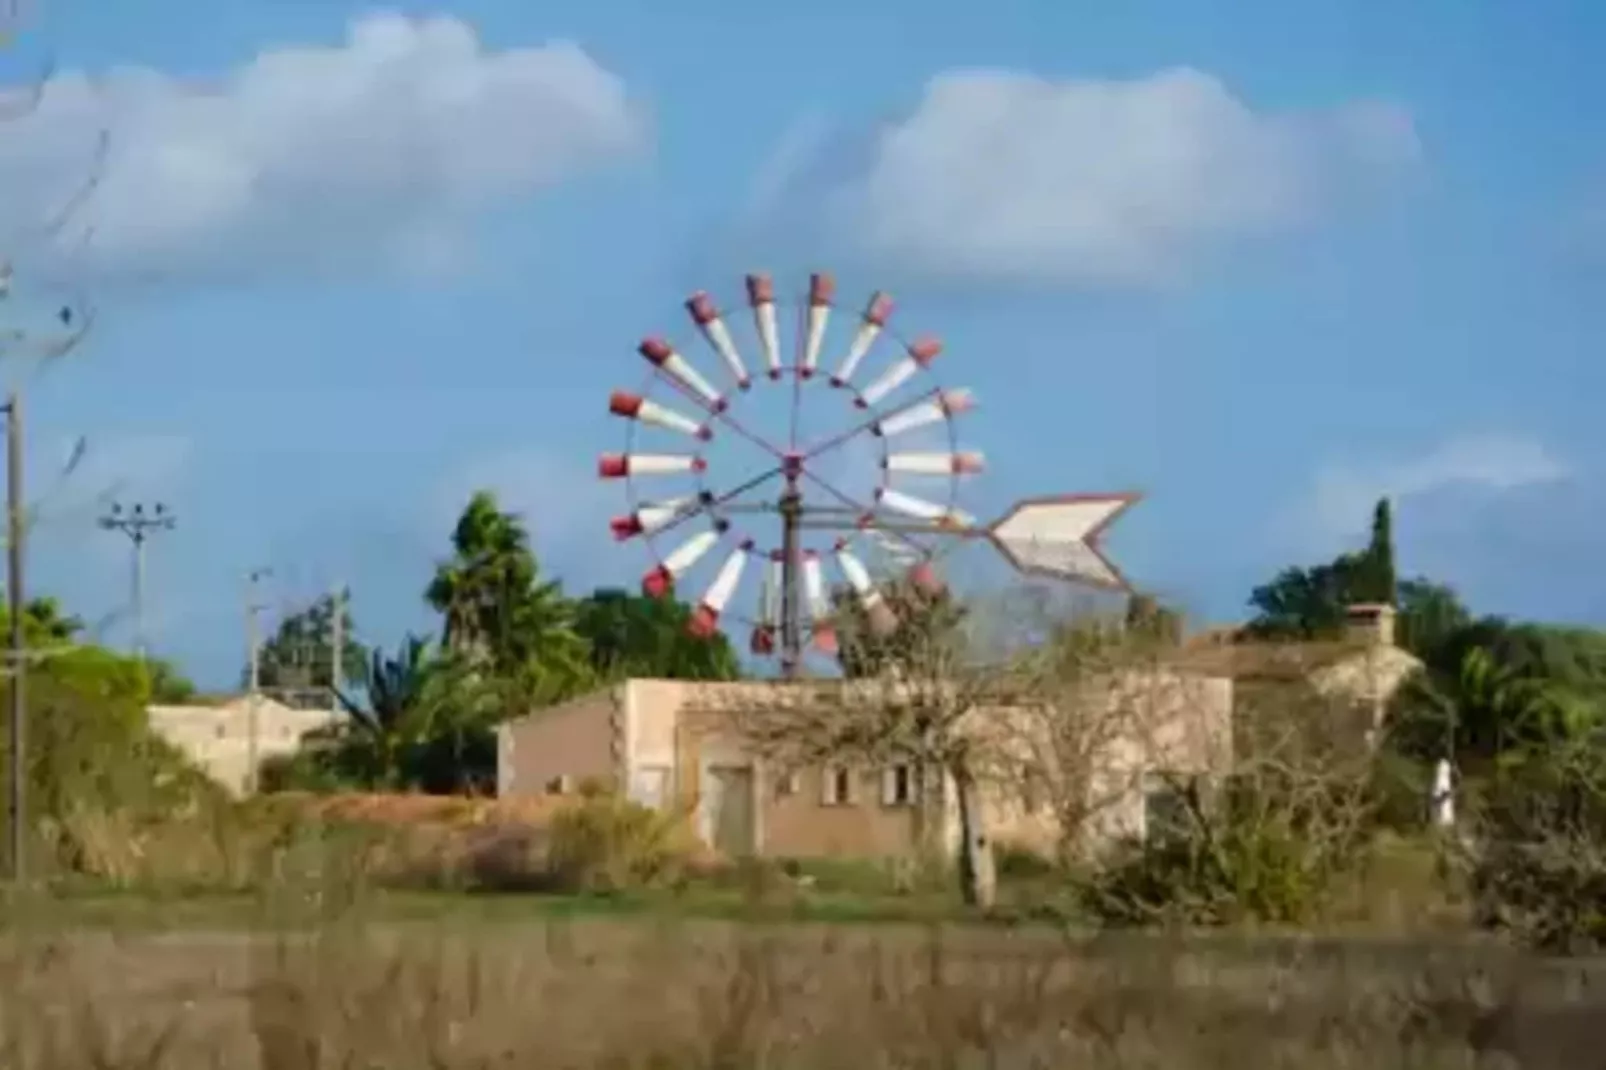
900, 413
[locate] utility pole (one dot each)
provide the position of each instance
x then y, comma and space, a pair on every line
15, 533
253, 640
337, 643
139, 525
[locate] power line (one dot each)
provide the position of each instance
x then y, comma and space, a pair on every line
139, 525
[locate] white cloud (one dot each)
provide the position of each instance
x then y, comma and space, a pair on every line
1341, 500
1005, 176
387, 143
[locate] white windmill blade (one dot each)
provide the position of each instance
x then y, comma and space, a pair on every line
919, 355
643, 410
761, 298
945, 405
871, 323
663, 356
714, 330
822, 288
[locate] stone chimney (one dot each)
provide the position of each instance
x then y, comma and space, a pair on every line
1371, 623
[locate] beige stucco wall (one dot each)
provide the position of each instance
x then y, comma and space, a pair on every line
677, 730
576, 741
218, 739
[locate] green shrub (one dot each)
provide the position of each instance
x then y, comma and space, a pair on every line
607, 844
1537, 859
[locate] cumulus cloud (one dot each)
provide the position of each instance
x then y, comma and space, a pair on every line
1005, 176
1342, 497
387, 143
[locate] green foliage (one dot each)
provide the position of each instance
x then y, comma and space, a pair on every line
1538, 867
607, 844
632, 635
926, 619
498, 612
1378, 581
91, 752
1147, 617
298, 654
1271, 849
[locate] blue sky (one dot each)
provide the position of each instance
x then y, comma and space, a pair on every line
1261, 261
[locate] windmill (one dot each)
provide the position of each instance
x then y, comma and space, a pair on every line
779, 537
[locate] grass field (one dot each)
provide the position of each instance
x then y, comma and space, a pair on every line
446, 982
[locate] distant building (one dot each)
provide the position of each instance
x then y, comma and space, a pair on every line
218, 737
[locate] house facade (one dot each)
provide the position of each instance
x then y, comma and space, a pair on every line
229, 740
682, 745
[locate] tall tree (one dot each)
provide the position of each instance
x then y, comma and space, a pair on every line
1379, 581
300, 653
499, 614
632, 635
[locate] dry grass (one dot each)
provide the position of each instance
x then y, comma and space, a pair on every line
607, 993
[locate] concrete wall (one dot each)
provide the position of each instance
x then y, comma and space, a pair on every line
562, 746
218, 739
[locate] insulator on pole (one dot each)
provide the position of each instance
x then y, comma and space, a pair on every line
659, 581
663, 356
920, 355
935, 463
705, 618
877, 612
621, 465
643, 410
921, 413
821, 289
921, 509
706, 315
761, 297
874, 319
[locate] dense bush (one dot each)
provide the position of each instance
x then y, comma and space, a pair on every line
603, 843
1537, 858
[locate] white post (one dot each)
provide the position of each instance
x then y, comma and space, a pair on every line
1442, 802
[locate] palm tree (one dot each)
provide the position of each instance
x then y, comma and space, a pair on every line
498, 612
396, 711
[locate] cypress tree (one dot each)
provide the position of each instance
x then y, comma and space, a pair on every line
1381, 583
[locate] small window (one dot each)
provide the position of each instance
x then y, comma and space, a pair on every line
559, 785
1165, 806
836, 786
897, 786
786, 784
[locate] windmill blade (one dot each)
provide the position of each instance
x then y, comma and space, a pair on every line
625, 465
663, 356
922, 509
819, 603
635, 407
919, 356
875, 317
659, 581
705, 618
706, 315
650, 516
821, 289
935, 463
877, 612
761, 298
947, 404
768, 624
